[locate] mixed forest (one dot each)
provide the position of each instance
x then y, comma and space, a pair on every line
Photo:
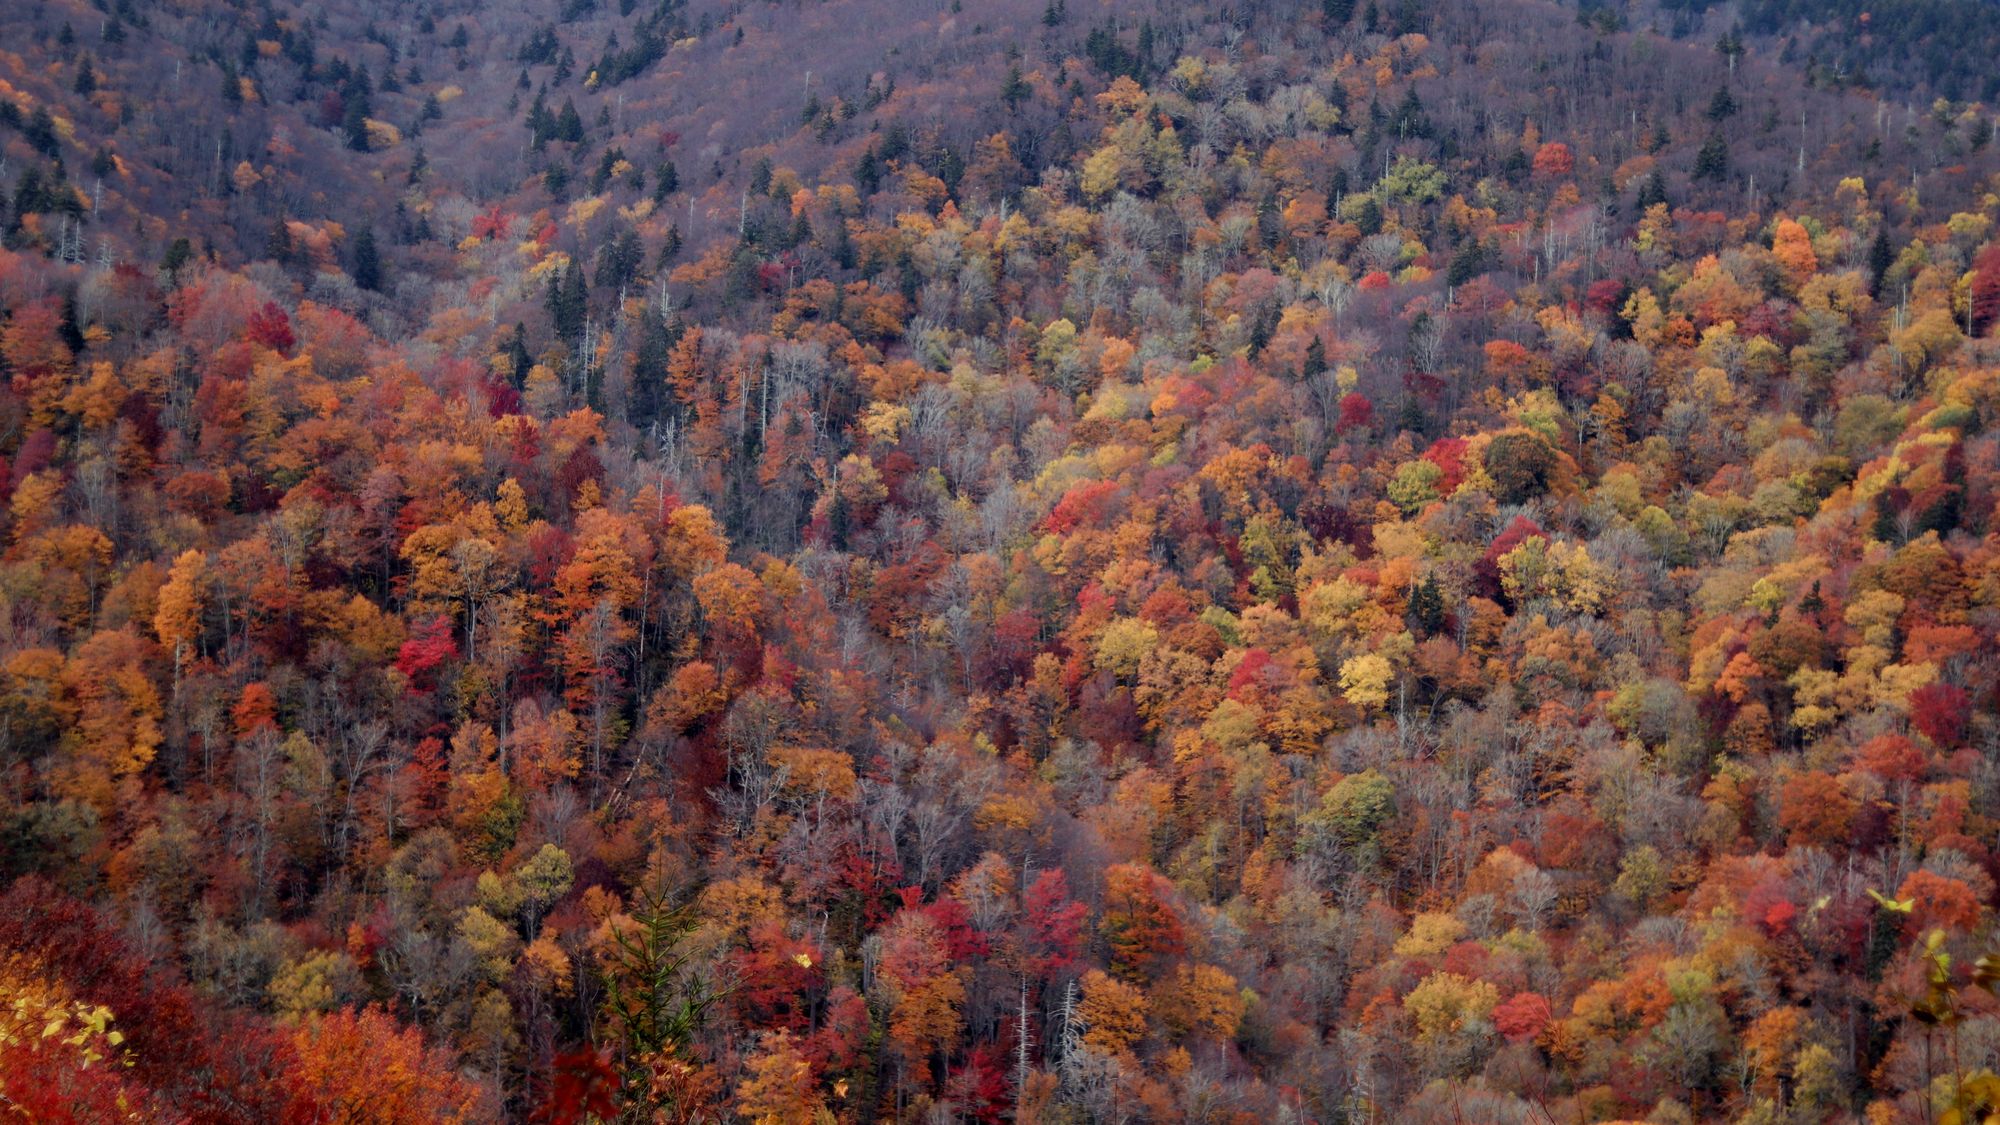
838, 561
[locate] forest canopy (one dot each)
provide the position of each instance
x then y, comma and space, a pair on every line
660, 561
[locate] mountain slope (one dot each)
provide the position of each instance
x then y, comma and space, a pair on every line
882, 561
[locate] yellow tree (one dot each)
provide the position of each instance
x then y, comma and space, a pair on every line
117, 727
1201, 1000
177, 620
1113, 1013
780, 1088
594, 590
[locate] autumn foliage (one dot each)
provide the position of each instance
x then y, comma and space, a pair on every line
881, 562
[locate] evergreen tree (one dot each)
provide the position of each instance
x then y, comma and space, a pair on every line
606, 166
576, 300
666, 181
842, 247
800, 233
1015, 90
1712, 162
278, 244
619, 261
1336, 13
366, 269
868, 171
556, 179
1652, 190
1261, 330
569, 125
1880, 257
670, 247
518, 359
1410, 119
1467, 262
1722, 106
1981, 133
568, 302
1730, 46
31, 195
650, 395
541, 125
70, 329
354, 123
1427, 608
176, 259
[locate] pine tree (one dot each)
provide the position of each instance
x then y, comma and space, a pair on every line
868, 171
70, 328
619, 261
650, 394
655, 996
1730, 47
569, 124
666, 181
1336, 13
518, 360
1653, 190
568, 302
176, 259
366, 269
1015, 90
552, 299
278, 244
1427, 608
1722, 105
354, 124
670, 247
540, 124
1467, 262
359, 107
41, 132
1410, 119
1880, 257
1712, 162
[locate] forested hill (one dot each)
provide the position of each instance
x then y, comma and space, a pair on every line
1932, 48
1022, 561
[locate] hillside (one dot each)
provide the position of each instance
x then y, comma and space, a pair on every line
1926, 48
882, 561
